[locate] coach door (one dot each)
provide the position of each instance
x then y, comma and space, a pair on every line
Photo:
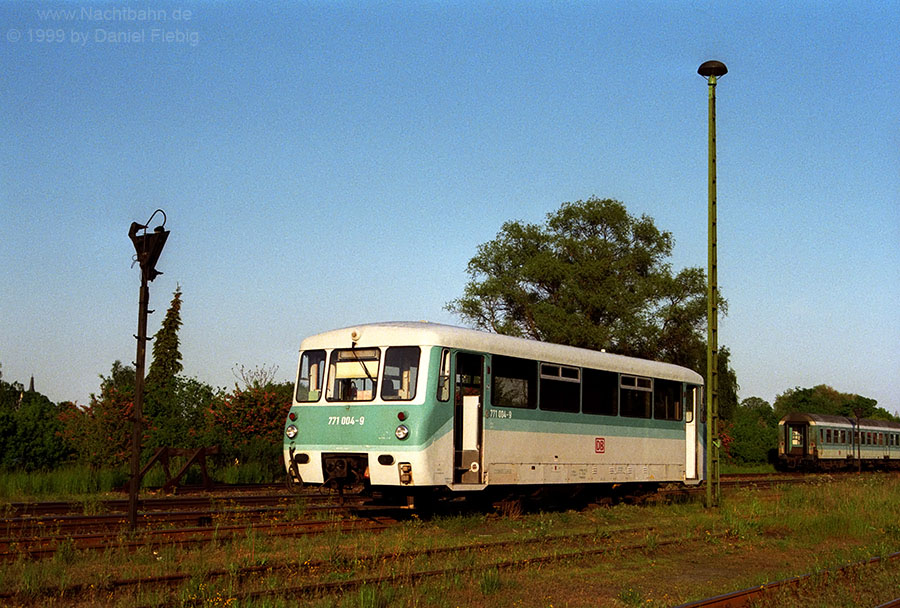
796, 438
467, 418
691, 403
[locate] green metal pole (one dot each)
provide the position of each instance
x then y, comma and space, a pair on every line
713, 489
711, 70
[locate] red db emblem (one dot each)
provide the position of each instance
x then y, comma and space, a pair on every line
600, 445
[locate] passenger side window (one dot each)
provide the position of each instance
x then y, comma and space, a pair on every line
636, 396
514, 382
600, 392
667, 400
560, 388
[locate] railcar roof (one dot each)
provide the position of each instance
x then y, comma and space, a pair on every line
436, 334
828, 419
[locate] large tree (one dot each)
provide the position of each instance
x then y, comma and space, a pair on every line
592, 276
29, 429
166, 362
823, 399
164, 403
754, 432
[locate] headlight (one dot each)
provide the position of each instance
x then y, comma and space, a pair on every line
402, 432
291, 431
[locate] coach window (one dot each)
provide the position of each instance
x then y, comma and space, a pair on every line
599, 392
667, 400
401, 373
828, 436
560, 389
443, 389
352, 375
796, 438
514, 382
636, 396
311, 376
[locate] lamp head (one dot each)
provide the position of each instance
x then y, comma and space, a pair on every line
149, 246
712, 68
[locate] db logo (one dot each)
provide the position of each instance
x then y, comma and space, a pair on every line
600, 445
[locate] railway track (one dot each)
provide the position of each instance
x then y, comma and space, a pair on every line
39, 529
44, 547
319, 566
338, 574
753, 595
308, 577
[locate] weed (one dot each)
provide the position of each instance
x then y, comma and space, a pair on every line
65, 552
92, 505
542, 526
490, 582
296, 510
33, 579
631, 597
370, 596
738, 524
651, 542
601, 534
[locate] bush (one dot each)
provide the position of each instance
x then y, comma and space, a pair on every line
247, 424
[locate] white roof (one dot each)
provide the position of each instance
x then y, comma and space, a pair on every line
434, 334
839, 421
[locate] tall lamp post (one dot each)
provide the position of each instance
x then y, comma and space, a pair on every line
712, 70
148, 246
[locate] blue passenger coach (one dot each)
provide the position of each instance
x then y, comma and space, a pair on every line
413, 406
823, 441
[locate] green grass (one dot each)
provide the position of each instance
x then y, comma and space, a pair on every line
738, 469
74, 482
67, 482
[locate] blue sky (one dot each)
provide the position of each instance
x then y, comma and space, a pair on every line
324, 164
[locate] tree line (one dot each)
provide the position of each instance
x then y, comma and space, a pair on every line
246, 422
592, 275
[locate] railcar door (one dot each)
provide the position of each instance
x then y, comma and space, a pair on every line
467, 418
690, 396
796, 438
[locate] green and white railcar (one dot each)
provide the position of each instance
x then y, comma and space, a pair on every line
423, 405
821, 441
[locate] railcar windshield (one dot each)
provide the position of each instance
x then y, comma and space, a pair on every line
352, 375
401, 373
